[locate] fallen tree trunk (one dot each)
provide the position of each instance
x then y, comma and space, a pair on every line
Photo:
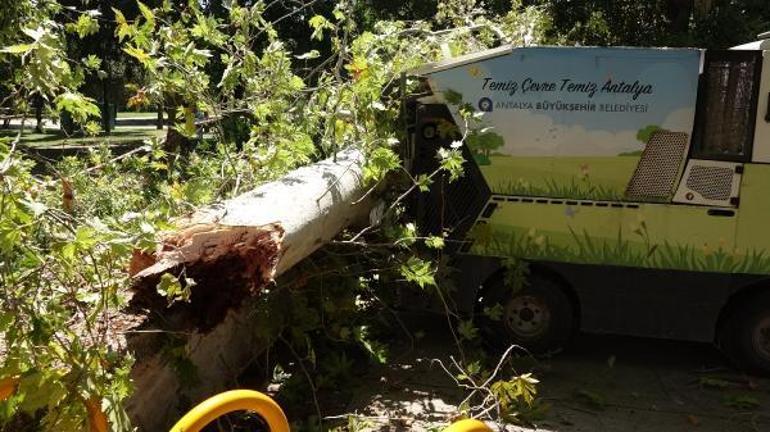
258, 235
231, 250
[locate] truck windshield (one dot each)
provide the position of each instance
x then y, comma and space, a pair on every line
727, 104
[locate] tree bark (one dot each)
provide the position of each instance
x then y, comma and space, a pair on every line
38, 113
679, 12
159, 124
174, 140
254, 237
107, 79
702, 7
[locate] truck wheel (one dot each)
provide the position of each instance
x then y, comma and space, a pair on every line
745, 336
540, 317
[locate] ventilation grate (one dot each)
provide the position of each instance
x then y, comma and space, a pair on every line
661, 162
713, 183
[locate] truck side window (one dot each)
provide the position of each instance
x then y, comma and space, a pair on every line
727, 105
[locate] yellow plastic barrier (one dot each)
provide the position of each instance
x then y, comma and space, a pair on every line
221, 404
240, 400
230, 401
468, 425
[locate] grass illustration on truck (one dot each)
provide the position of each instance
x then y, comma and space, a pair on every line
632, 181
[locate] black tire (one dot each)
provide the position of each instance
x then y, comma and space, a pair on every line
540, 317
745, 334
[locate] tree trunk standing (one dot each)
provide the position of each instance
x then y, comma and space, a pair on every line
702, 7
106, 111
106, 38
678, 14
175, 141
159, 124
38, 113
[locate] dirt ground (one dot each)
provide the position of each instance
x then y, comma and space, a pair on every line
602, 383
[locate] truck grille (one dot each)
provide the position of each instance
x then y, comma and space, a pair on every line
451, 206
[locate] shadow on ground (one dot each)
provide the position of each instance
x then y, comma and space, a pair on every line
602, 383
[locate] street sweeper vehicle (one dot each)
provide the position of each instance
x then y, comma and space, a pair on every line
633, 182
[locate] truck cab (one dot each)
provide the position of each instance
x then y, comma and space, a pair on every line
632, 182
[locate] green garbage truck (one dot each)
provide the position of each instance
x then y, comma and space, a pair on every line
634, 182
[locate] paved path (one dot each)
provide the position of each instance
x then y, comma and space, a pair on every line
601, 384
122, 121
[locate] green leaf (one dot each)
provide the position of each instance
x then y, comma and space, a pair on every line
494, 313
453, 97
170, 287
358, 66
79, 106
42, 329
92, 128
381, 161
92, 62
138, 54
434, 242
86, 237
120, 19
18, 49
41, 389
123, 28
516, 275
206, 29
85, 25
520, 388
377, 350
69, 250
338, 14
418, 271
473, 368
9, 238
423, 182
467, 330
451, 162
319, 24
147, 13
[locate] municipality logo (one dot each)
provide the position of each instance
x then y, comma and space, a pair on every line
485, 104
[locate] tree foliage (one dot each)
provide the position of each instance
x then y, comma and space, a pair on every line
281, 84
65, 236
715, 24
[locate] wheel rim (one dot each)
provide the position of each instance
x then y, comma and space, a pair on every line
527, 316
761, 338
